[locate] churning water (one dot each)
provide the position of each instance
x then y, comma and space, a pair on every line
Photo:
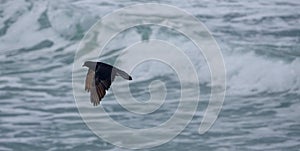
260, 42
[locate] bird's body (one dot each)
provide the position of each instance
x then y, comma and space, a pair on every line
99, 78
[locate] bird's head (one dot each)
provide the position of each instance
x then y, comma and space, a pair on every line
90, 64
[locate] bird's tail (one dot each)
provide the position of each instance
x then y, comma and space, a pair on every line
123, 74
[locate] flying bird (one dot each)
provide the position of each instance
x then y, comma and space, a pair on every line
99, 78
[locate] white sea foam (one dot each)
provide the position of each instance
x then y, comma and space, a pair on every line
260, 47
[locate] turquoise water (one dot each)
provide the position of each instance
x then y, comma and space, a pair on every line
260, 42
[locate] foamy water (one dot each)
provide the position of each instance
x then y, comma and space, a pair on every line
260, 46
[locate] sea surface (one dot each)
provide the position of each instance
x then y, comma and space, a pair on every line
259, 40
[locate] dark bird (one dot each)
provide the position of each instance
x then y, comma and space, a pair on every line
99, 78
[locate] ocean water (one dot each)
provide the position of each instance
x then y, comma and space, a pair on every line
260, 43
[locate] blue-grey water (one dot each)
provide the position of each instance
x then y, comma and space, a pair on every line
260, 42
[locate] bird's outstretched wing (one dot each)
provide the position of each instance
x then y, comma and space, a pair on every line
98, 91
96, 87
